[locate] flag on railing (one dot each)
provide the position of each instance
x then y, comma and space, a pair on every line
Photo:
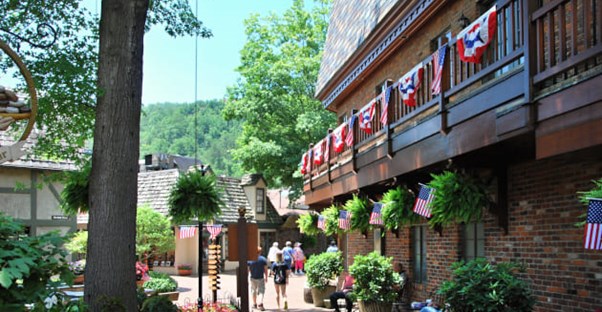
384, 105
409, 84
438, 60
423, 201
474, 39
338, 137
327, 148
376, 216
318, 153
214, 230
304, 161
187, 231
593, 225
344, 219
308, 164
321, 222
366, 114
349, 137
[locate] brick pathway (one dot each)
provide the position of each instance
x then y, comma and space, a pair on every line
188, 287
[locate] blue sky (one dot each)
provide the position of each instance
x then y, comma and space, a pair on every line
169, 63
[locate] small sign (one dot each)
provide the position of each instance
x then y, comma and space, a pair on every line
60, 217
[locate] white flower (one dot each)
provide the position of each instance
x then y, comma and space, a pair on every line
50, 301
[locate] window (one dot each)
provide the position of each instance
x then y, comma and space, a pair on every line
260, 202
474, 241
419, 253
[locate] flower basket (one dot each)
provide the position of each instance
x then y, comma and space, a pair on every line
184, 269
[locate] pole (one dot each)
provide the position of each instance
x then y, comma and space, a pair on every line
200, 267
243, 280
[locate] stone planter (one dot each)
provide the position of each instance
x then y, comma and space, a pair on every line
307, 295
173, 295
375, 306
318, 295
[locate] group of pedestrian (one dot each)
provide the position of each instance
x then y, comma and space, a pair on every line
279, 264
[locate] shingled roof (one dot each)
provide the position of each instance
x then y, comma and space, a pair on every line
30, 162
154, 188
351, 22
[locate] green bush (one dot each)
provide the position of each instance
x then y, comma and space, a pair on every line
375, 279
158, 304
321, 268
161, 282
481, 286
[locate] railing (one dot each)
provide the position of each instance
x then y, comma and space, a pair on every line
568, 33
568, 41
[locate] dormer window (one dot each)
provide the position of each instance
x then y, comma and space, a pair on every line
260, 201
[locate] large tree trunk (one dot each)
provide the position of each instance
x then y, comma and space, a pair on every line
110, 269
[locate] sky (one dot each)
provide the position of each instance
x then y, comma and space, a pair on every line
169, 63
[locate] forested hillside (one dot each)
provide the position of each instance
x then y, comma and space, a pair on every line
169, 128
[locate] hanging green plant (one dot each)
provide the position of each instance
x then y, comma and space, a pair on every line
459, 198
360, 213
331, 224
584, 197
195, 195
308, 224
397, 208
74, 197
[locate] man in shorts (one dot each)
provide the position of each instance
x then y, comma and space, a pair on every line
258, 271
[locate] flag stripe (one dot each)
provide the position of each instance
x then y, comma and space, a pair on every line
187, 232
214, 230
438, 61
376, 216
593, 227
423, 201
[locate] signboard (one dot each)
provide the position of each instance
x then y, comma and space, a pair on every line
59, 217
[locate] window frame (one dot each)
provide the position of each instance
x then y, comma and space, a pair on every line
472, 244
419, 254
260, 208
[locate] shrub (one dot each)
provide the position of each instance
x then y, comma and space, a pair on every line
480, 286
375, 279
161, 283
321, 268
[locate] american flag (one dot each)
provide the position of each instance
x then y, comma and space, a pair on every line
409, 84
344, 219
338, 137
321, 222
187, 231
304, 162
385, 96
214, 230
318, 153
366, 115
327, 148
423, 201
593, 226
438, 60
308, 164
376, 216
349, 135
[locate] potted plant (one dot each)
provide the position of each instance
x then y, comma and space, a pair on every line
459, 198
307, 224
163, 285
397, 209
77, 268
320, 270
184, 269
331, 223
360, 213
375, 282
481, 286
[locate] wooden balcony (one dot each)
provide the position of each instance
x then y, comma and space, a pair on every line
539, 53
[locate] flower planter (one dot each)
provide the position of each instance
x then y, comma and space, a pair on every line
182, 272
318, 295
172, 295
375, 306
307, 297
78, 279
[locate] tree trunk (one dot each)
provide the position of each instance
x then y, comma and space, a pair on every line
110, 268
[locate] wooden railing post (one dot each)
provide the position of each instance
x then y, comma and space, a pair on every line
355, 137
529, 41
328, 149
310, 158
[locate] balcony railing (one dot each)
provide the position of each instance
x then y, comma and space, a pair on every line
568, 36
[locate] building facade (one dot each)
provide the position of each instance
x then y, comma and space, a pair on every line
519, 103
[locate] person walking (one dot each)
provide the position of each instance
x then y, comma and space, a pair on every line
287, 252
272, 255
281, 272
299, 257
258, 271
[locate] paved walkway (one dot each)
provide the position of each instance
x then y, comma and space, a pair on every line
188, 287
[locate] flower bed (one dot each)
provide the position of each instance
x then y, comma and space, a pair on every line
208, 307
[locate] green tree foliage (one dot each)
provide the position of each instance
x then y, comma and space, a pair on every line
153, 233
275, 96
78, 243
170, 128
26, 265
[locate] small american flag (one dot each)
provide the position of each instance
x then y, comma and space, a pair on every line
349, 135
376, 216
327, 148
344, 219
423, 201
321, 222
438, 60
385, 96
187, 231
366, 115
593, 226
214, 230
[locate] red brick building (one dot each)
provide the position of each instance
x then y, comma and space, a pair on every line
528, 115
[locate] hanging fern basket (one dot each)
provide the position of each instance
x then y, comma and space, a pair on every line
195, 196
360, 213
74, 197
308, 224
459, 198
397, 209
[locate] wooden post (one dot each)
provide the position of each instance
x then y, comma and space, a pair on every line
243, 281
